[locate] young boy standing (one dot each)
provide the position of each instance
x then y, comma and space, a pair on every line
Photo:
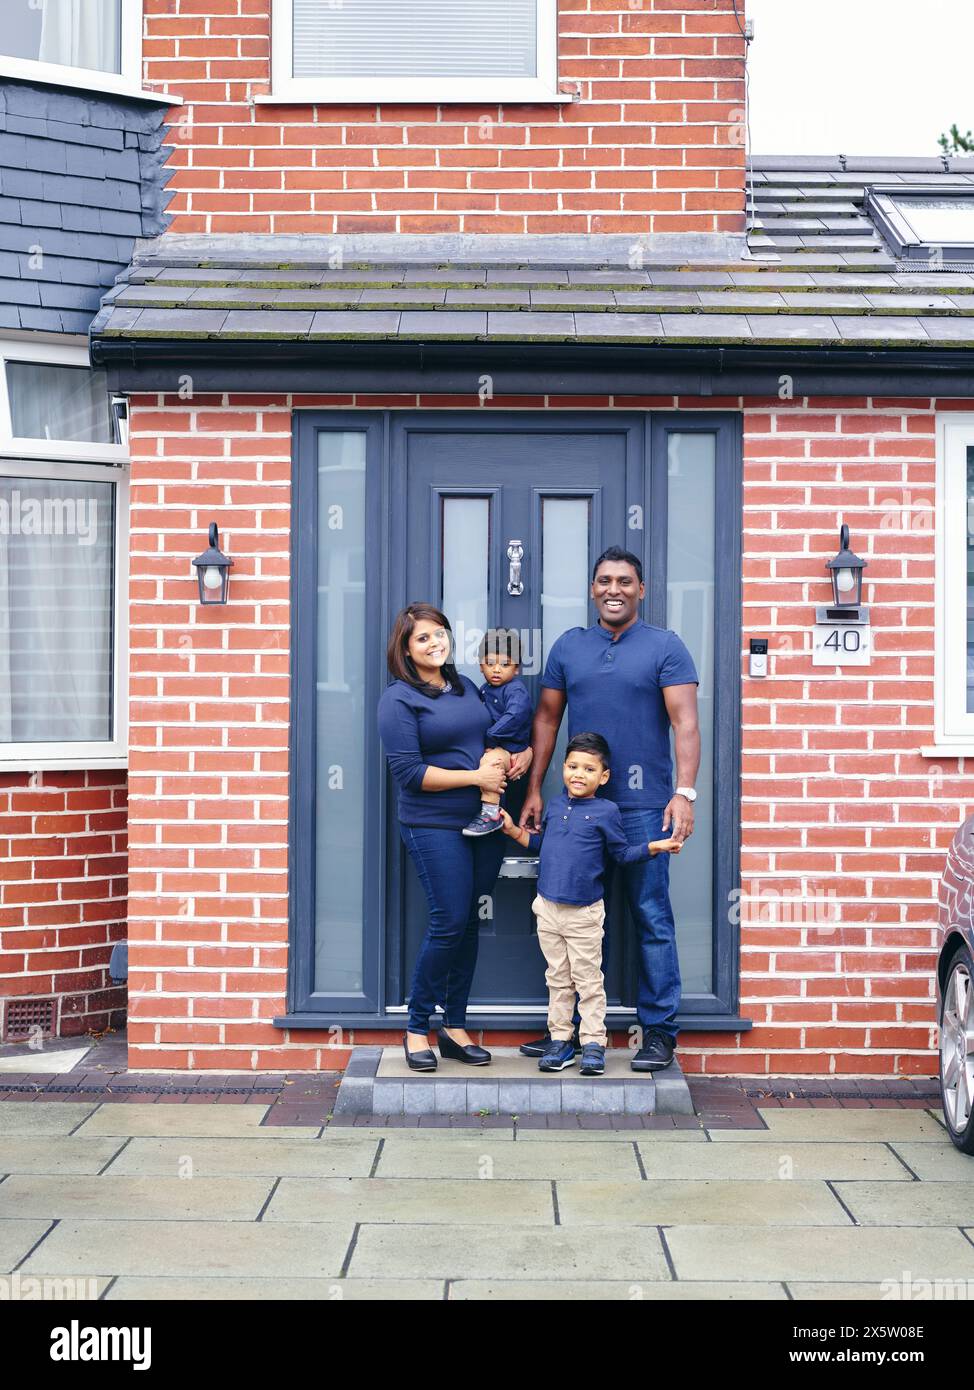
578, 831
506, 697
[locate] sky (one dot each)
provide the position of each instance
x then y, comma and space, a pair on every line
859, 76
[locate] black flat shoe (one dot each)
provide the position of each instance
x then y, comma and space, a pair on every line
451, 1051
419, 1061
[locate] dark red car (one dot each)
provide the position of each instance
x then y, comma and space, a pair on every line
955, 997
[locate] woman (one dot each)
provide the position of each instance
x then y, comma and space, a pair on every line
433, 724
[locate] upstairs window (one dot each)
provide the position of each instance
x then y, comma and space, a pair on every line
424, 51
96, 44
933, 226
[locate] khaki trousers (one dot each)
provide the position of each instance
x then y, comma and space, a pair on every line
571, 939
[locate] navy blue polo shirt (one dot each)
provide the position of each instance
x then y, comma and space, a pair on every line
578, 835
615, 688
442, 730
510, 710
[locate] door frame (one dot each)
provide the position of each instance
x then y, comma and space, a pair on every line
387, 436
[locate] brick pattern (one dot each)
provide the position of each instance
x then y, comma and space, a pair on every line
838, 806
62, 893
654, 144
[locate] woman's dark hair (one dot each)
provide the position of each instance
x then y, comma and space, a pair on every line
401, 665
589, 743
618, 556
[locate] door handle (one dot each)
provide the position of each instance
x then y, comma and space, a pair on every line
515, 553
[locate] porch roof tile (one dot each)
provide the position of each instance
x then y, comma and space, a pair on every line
814, 269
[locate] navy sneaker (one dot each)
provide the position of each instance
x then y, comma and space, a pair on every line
482, 824
593, 1060
656, 1052
539, 1046
559, 1056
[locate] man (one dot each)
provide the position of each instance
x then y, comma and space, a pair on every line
630, 682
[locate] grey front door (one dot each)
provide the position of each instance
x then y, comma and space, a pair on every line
502, 526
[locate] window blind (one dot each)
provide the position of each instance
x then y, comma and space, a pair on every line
426, 38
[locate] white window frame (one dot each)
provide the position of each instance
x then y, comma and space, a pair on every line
72, 462
954, 726
369, 90
128, 82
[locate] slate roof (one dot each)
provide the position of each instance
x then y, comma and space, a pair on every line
816, 272
80, 180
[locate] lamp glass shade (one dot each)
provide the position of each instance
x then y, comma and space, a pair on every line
213, 571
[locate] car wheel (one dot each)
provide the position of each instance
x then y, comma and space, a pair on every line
957, 1052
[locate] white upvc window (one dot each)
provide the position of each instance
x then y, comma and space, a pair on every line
424, 51
63, 563
955, 583
94, 44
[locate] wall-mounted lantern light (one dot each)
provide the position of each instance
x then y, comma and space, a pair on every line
842, 635
846, 571
213, 570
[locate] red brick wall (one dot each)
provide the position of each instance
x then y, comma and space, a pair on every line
837, 803
654, 145
62, 893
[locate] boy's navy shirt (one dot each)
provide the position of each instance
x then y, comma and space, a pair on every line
444, 730
577, 833
510, 709
615, 688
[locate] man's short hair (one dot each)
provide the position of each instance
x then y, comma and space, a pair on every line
501, 641
619, 556
589, 743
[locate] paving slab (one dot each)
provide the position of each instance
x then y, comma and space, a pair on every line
839, 1292
157, 1248
26, 1154
17, 1235
820, 1125
186, 1290
606, 1290
816, 1252
941, 1203
42, 1117
763, 1161
144, 1198
933, 1163
481, 1159
462, 1252
701, 1202
50, 1287
244, 1157
498, 1202
213, 1120
53, 1060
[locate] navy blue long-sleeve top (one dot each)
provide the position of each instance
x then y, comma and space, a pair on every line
445, 730
578, 835
510, 710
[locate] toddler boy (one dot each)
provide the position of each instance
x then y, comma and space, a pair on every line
506, 697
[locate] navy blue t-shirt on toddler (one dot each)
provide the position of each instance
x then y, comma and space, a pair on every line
510, 709
578, 835
614, 687
444, 730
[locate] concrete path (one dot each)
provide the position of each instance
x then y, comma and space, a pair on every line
177, 1201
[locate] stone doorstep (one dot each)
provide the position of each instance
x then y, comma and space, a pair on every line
377, 1082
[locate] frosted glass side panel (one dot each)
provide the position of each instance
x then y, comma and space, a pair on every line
465, 542
340, 778
690, 613
564, 593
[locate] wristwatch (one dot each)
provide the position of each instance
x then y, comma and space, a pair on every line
688, 792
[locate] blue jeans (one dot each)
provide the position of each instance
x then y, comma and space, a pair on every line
647, 888
456, 871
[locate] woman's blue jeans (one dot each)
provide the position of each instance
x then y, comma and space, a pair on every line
458, 872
